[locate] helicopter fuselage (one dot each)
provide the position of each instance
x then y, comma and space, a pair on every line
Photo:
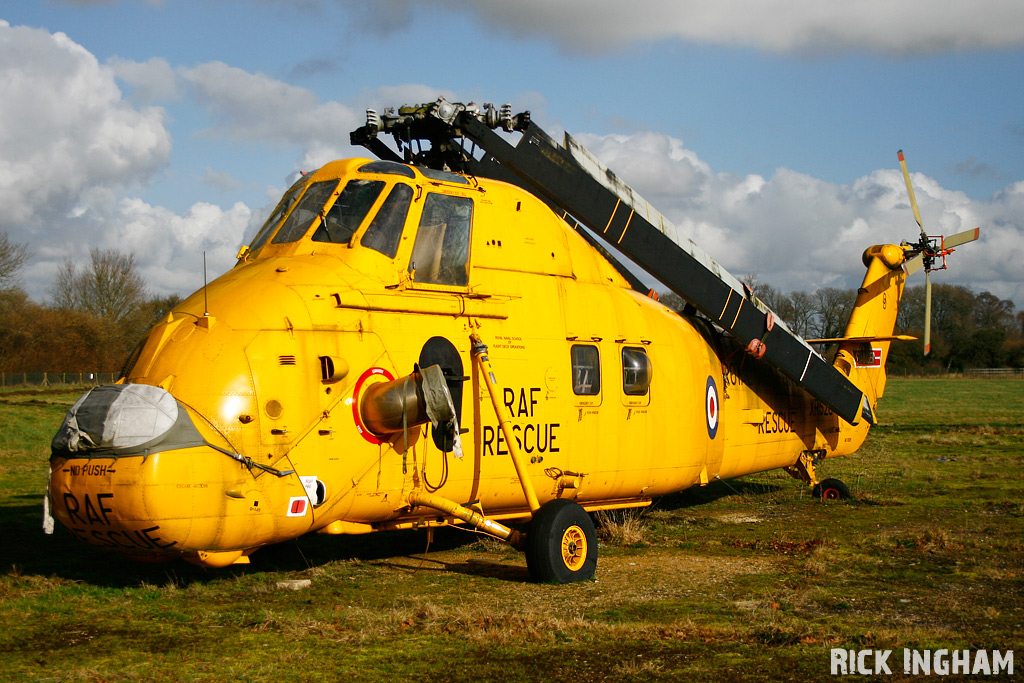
368, 272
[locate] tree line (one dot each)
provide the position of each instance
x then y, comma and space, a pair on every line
94, 317
968, 330
96, 314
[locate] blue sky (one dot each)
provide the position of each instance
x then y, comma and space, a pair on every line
767, 131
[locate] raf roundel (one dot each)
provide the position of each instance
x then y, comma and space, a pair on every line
712, 408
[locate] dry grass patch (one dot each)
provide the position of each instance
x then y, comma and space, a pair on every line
623, 528
638, 666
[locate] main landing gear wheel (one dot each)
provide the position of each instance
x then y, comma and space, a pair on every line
831, 489
561, 544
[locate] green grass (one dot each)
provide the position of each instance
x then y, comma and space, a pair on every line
741, 580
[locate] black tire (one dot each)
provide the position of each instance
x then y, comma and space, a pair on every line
831, 489
561, 544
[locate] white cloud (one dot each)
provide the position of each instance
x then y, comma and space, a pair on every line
889, 26
65, 128
253, 107
652, 160
249, 107
257, 108
71, 146
152, 81
797, 232
168, 247
220, 180
780, 26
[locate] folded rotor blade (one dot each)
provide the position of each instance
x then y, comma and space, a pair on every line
960, 238
910, 191
927, 313
570, 178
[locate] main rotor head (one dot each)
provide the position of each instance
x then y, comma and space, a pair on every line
427, 134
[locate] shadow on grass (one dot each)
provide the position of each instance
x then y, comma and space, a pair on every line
703, 495
503, 570
28, 551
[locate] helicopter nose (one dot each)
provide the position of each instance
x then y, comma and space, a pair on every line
130, 471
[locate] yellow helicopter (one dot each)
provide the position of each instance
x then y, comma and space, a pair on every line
436, 337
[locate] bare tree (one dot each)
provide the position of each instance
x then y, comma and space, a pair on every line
62, 292
834, 307
910, 315
798, 309
12, 258
109, 288
801, 313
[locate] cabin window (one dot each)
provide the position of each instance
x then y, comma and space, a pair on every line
268, 228
385, 231
636, 371
586, 370
308, 209
441, 252
348, 211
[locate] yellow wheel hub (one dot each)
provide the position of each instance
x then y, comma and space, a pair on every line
574, 548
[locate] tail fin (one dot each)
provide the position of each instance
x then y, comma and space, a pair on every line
864, 348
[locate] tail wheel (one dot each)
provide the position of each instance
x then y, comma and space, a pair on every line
561, 545
831, 489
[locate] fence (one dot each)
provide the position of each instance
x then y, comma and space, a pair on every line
46, 379
994, 373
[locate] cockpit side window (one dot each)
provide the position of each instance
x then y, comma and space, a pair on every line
385, 231
441, 252
348, 211
303, 215
268, 228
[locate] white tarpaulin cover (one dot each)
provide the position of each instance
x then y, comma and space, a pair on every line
125, 419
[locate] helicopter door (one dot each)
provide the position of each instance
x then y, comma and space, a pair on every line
441, 252
589, 356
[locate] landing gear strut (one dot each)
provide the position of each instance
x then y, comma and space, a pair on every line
829, 489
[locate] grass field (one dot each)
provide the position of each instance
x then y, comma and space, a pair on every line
743, 580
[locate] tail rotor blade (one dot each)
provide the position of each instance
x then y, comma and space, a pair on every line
960, 238
913, 265
910, 191
927, 313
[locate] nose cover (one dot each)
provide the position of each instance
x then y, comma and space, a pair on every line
118, 420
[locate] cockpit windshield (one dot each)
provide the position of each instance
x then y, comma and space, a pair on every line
336, 214
349, 209
337, 223
268, 228
309, 207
